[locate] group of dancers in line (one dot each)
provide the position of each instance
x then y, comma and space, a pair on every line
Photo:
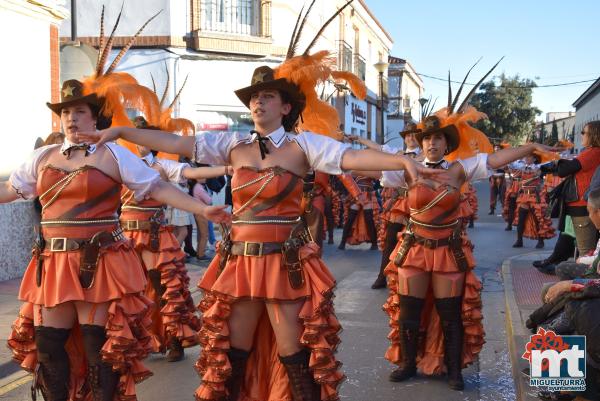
104, 290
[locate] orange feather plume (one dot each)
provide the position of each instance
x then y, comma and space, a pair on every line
471, 140
121, 91
307, 71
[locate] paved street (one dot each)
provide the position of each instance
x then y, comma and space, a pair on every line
365, 328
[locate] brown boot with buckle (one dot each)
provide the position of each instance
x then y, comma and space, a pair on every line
302, 383
175, 351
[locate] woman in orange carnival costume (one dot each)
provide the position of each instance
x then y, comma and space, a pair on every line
509, 206
269, 330
175, 323
432, 263
83, 327
393, 222
530, 219
361, 211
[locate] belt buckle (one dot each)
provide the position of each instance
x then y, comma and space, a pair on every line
430, 243
260, 248
133, 224
58, 244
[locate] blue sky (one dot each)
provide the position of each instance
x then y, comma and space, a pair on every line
550, 41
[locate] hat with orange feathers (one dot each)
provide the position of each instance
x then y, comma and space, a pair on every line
113, 92
463, 139
299, 75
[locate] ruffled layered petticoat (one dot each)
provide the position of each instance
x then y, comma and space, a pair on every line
265, 278
174, 313
511, 192
537, 225
120, 281
360, 233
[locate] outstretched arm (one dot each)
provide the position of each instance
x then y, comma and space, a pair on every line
7, 192
153, 139
368, 159
198, 173
366, 142
167, 193
505, 156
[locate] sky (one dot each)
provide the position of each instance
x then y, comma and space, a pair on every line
550, 41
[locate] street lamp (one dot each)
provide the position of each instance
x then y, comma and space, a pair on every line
380, 66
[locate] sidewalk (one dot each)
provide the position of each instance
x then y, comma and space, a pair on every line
11, 375
522, 289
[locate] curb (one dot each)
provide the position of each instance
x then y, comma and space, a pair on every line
513, 322
514, 327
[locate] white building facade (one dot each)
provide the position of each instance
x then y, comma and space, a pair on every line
29, 31
587, 108
405, 99
217, 44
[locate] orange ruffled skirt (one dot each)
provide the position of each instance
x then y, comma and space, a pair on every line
430, 358
537, 225
120, 281
359, 233
174, 313
264, 278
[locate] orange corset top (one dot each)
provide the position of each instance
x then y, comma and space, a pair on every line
434, 212
78, 203
266, 204
138, 210
530, 178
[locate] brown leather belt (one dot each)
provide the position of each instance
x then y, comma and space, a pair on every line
529, 191
430, 243
135, 225
244, 248
62, 244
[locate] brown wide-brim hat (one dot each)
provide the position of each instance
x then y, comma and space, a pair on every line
264, 78
70, 94
409, 128
432, 125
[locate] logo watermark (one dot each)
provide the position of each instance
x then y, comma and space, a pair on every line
556, 363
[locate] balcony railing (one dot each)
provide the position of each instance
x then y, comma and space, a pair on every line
360, 66
238, 17
344, 56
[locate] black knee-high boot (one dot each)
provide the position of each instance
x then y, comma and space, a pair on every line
348, 227
371, 230
100, 376
410, 319
521, 227
53, 375
512, 206
302, 383
238, 359
389, 243
449, 310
